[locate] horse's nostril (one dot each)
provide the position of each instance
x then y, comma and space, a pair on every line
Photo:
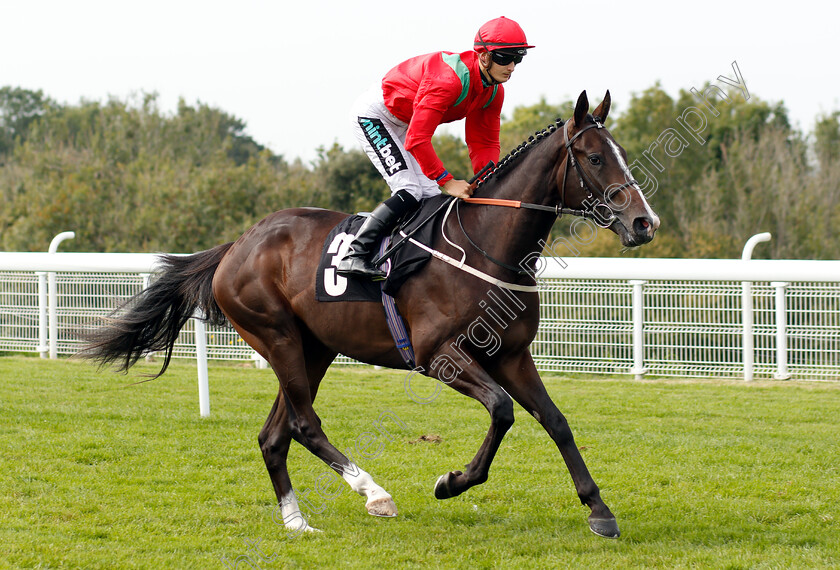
642, 226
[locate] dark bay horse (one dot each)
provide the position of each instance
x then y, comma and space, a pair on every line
263, 284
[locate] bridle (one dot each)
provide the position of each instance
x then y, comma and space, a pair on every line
593, 208
591, 203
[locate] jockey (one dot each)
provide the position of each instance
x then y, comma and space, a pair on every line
395, 121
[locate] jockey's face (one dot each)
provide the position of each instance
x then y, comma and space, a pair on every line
492, 70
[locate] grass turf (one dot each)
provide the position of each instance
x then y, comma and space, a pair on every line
712, 474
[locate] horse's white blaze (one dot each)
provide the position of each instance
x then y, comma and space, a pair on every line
620, 159
626, 169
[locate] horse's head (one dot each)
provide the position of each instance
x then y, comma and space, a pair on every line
597, 181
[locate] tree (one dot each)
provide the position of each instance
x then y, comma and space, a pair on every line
827, 139
206, 127
528, 120
118, 171
18, 109
677, 149
126, 177
453, 152
347, 181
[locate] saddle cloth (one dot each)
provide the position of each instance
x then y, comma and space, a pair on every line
407, 260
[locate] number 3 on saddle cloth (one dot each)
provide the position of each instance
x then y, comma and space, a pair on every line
406, 260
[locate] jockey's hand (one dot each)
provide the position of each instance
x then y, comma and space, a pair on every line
458, 188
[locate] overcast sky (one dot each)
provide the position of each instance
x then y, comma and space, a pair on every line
290, 70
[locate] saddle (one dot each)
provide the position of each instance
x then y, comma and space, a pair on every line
403, 258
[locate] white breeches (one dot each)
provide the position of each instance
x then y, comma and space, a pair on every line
382, 137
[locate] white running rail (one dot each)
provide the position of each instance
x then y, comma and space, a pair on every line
666, 317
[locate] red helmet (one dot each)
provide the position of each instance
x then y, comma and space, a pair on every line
500, 33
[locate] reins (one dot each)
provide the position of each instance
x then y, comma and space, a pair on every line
509, 267
557, 210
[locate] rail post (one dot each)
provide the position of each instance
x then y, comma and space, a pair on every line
201, 364
43, 339
639, 368
781, 331
748, 350
53, 295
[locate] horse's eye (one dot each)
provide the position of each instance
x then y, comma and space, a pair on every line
594, 159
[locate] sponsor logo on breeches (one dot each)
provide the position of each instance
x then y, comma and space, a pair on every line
378, 137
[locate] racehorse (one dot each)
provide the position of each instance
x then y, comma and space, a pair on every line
263, 285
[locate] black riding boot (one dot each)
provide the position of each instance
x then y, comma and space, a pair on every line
356, 263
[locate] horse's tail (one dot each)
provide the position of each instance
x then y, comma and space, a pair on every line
152, 320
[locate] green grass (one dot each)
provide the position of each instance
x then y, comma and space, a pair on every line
701, 474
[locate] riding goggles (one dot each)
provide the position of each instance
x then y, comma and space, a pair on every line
503, 57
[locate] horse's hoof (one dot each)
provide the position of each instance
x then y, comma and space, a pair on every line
383, 507
607, 528
312, 529
443, 489
301, 529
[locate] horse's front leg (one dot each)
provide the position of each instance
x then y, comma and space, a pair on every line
519, 377
462, 373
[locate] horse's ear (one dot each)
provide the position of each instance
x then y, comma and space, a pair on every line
604, 108
581, 109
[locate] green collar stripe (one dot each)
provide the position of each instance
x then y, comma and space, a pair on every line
463, 73
493, 96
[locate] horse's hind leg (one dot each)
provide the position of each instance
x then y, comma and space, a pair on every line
293, 417
275, 438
